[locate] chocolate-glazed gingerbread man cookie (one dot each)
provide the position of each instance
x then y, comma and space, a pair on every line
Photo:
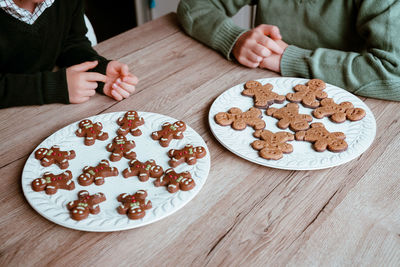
289, 116
91, 131
135, 205
130, 123
97, 174
143, 170
188, 154
262, 94
308, 94
322, 139
54, 155
272, 145
176, 181
239, 120
86, 203
120, 147
338, 112
50, 182
169, 131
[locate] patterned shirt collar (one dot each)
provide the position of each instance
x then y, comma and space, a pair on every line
22, 14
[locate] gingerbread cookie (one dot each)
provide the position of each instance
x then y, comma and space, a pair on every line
338, 112
86, 203
175, 181
120, 147
91, 131
54, 155
135, 205
130, 123
143, 170
50, 182
97, 174
169, 131
308, 94
323, 139
239, 120
289, 116
272, 145
262, 94
188, 154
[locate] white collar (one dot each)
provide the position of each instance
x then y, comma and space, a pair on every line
22, 14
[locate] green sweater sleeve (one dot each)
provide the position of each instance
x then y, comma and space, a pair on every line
374, 72
209, 22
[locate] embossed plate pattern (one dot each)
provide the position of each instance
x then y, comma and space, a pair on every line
53, 207
359, 134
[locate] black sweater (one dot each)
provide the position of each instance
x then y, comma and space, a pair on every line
29, 53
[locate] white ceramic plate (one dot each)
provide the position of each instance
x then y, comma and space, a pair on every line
53, 207
359, 134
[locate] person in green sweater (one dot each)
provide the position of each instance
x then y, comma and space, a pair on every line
352, 44
38, 35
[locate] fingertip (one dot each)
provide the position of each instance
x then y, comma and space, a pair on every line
116, 95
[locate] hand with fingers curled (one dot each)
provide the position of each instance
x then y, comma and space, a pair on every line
260, 47
120, 83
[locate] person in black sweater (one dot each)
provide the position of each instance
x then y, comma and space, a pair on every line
30, 52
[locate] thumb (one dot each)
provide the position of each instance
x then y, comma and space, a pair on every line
125, 70
270, 30
85, 66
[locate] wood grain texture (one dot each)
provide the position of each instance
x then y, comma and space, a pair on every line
245, 215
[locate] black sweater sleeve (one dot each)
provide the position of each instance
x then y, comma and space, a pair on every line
77, 48
33, 89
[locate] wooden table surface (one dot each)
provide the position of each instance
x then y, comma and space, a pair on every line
245, 215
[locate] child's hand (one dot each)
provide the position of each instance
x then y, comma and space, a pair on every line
273, 62
120, 82
82, 84
256, 44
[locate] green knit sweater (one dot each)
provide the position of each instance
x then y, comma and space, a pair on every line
354, 44
29, 53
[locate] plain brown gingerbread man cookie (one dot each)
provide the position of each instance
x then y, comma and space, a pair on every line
50, 182
135, 205
120, 147
262, 94
322, 139
130, 123
53, 155
308, 94
97, 173
188, 154
176, 181
85, 205
91, 131
272, 145
289, 116
338, 112
143, 170
168, 132
239, 120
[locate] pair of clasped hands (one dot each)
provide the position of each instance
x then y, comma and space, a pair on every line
260, 47
119, 83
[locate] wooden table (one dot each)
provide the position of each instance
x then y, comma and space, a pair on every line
245, 215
